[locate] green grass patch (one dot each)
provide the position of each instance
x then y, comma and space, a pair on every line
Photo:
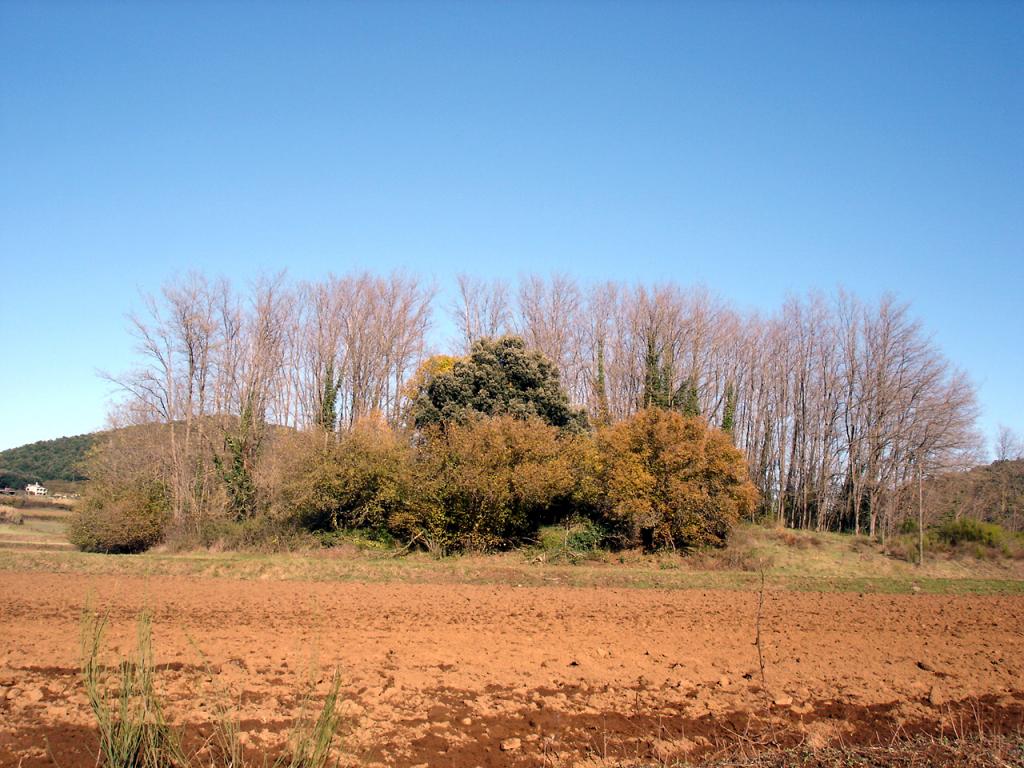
560, 556
511, 568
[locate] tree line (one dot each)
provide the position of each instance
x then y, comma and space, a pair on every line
838, 404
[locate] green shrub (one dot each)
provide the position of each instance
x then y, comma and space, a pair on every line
585, 536
131, 521
908, 526
966, 530
575, 539
126, 504
965, 537
360, 538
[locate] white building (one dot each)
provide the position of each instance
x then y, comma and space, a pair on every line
35, 489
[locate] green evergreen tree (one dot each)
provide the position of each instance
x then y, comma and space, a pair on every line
242, 444
656, 392
328, 416
667, 395
687, 399
601, 388
500, 376
729, 415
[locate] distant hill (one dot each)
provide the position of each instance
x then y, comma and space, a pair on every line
46, 460
992, 493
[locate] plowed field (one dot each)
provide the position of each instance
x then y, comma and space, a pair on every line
463, 675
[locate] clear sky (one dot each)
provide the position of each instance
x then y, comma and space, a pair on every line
759, 148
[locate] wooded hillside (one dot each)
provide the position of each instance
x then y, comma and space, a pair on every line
993, 494
45, 460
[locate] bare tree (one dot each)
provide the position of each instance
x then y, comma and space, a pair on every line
549, 319
256, 356
1009, 445
482, 309
177, 338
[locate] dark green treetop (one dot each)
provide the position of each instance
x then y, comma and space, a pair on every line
499, 376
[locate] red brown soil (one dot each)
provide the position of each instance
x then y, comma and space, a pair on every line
443, 674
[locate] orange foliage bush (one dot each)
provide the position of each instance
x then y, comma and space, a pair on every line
667, 480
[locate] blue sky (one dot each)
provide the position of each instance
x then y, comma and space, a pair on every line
760, 148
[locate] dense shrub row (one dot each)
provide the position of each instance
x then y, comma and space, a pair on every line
965, 530
660, 479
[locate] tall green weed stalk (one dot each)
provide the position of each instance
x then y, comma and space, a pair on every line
135, 733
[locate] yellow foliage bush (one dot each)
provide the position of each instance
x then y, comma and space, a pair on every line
359, 479
486, 484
